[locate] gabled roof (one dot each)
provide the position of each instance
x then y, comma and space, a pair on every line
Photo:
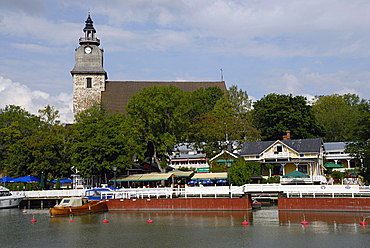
223, 152
305, 145
299, 145
255, 148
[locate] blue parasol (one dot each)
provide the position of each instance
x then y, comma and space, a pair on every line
27, 179
63, 181
7, 179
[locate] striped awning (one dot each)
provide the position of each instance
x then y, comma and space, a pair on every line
144, 177
183, 173
201, 176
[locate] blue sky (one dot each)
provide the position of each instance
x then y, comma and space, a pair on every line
263, 46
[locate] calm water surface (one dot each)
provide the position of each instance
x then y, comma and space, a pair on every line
267, 228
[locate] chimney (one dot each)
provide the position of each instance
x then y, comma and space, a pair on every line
287, 136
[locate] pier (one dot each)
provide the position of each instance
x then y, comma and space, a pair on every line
267, 193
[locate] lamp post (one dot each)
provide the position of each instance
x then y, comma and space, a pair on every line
228, 163
114, 171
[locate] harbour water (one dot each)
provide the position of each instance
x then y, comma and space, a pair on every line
267, 228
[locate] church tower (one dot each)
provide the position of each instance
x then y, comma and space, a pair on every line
88, 73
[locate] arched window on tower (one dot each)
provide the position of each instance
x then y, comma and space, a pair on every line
88, 83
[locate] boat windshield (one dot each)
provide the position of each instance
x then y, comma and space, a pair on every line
5, 193
93, 193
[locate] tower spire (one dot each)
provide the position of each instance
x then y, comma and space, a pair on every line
89, 32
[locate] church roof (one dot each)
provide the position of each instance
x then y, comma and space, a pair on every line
118, 93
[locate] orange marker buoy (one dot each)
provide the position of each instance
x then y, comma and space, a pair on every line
245, 223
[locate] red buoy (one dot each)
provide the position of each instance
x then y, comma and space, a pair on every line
33, 220
24, 211
149, 221
71, 221
304, 222
363, 223
105, 221
245, 223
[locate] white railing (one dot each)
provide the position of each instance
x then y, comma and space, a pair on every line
311, 179
206, 191
50, 193
301, 188
276, 155
211, 191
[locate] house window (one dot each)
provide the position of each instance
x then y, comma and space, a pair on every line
278, 149
302, 168
88, 83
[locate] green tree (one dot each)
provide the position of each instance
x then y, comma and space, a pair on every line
275, 114
228, 121
15, 124
101, 143
241, 171
360, 147
158, 121
46, 150
339, 115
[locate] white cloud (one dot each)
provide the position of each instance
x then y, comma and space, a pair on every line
14, 93
308, 83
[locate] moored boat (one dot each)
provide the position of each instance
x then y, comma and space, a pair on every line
7, 200
256, 204
76, 206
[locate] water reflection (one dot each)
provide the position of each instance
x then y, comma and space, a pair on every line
267, 227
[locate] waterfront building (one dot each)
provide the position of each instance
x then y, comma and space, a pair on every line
188, 156
288, 155
90, 80
339, 159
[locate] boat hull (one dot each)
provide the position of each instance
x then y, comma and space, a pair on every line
10, 201
90, 207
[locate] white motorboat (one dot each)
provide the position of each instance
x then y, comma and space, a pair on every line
7, 200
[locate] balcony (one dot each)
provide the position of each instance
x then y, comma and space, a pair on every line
273, 155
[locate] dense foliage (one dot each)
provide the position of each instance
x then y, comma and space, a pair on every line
275, 114
158, 118
241, 171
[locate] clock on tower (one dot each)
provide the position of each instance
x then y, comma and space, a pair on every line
88, 73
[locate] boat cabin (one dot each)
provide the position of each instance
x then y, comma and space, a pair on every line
73, 202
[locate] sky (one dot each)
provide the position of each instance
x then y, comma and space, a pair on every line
296, 47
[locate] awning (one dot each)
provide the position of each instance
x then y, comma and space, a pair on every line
296, 174
155, 177
144, 177
201, 176
183, 173
128, 178
333, 165
224, 160
203, 169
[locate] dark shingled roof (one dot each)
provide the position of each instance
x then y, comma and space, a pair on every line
305, 145
299, 145
118, 93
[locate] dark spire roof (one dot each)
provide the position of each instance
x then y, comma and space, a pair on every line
89, 24
89, 32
